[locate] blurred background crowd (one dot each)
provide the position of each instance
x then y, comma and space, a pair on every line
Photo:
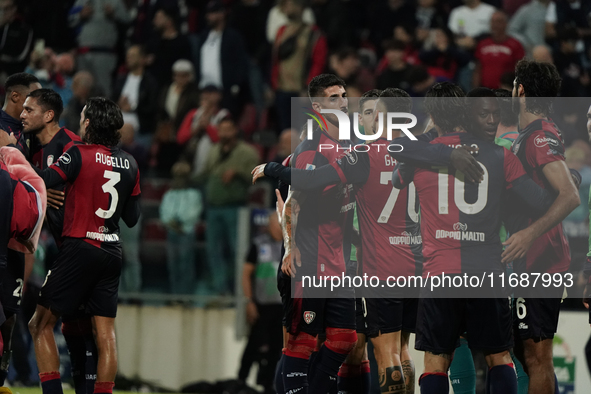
205, 87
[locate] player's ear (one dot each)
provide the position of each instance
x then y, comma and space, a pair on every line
520, 91
48, 116
14, 96
316, 106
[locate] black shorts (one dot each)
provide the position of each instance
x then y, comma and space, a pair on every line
441, 321
11, 290
314, 315
82, 274
284, 287
386, 315
536, 318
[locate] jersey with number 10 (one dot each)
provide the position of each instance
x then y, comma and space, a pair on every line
460, 221
101, 183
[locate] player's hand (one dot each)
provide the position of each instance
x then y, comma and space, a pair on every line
586, 296
28, 244
252, 314
462, 160
518, 245
258, 172
279, 205
6, 138
290, 260
55, 198
228, 175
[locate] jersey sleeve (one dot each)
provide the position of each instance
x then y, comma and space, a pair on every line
543, 147
350, 168
512, 168
136, 188
66, 169
402, 175
522, 186
27, 215
421, 153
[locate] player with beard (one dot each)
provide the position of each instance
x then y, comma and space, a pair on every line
317, 242
383, 214
17, 87
440, 320
102, 182
540, 148
48, 141
354, 374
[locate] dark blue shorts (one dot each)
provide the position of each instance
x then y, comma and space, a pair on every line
537, 318
441, 321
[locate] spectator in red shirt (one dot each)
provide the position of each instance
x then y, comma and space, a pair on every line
496, 54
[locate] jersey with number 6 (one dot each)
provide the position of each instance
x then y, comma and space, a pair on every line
460, 221
102, 185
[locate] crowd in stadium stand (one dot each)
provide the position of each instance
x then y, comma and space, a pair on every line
183, 70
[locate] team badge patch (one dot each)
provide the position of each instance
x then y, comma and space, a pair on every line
65, 158
309, 316
49, 160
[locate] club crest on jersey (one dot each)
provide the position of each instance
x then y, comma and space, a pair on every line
65, 158
309, 316
540, 141
460, 226
49, 160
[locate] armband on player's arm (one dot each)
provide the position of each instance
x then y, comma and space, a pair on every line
421, 153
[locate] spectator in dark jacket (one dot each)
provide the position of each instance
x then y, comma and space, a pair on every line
220, 58
16, 39
299, 54
169, 47
137, 94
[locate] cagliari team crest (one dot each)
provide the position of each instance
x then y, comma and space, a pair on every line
309, 316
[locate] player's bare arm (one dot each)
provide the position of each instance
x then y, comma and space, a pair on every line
288, 227
559, 177
55, 198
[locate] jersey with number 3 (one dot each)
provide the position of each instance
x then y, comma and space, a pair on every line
102, 185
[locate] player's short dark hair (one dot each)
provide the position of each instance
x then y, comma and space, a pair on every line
372, 94
481, 92
445, 103
49, 100
396, 100
105, 121
541, 83
321, 82
19, 79
508, 116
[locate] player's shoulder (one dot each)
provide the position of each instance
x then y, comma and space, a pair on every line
542, 133
70, 135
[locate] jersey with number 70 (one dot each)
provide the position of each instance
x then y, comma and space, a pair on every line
102, 185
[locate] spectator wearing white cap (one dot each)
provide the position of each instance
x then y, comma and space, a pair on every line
181, 95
